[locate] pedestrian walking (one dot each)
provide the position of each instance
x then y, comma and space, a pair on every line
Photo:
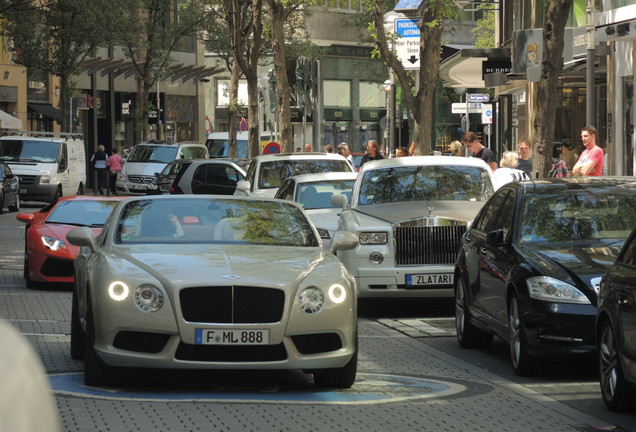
343, 150
114, 166
478, 150
99, 161
524, 150
508, 171
456, 148
559, 167
592, 159
373, 152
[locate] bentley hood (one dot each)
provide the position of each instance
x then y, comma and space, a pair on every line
200, 265
403, 211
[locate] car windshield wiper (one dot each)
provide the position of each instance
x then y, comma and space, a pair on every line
155, 161
66, 223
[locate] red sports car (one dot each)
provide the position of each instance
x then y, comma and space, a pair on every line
48, 256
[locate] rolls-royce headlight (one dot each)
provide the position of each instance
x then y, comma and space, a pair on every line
52, 243
118, 291
148, 298
311, 300
554, 290
337, 293
373, 238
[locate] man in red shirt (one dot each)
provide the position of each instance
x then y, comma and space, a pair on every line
591, 161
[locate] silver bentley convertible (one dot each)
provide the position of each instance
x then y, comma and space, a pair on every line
212, 282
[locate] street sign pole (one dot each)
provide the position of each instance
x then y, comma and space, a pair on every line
467, 116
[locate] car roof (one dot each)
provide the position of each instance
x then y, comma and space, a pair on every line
425, 160
92, 198
310, 178
171, 144
619, 182
298, 156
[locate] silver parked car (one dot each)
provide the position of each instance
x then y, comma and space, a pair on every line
410, 214
209, 282
314, 192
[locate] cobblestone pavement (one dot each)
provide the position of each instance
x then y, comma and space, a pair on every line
411, 378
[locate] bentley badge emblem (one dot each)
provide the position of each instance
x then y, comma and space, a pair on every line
231, 277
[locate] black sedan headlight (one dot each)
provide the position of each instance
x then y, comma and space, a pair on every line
554, 290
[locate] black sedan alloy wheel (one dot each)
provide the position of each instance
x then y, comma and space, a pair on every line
468, 335
616, 393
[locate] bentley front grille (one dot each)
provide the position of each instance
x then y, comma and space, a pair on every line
418, 245
232, 304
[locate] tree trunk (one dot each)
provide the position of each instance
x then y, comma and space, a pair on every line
548, 87
277, 14
254, 138
233, 121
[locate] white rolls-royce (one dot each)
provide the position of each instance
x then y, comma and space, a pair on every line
409, 215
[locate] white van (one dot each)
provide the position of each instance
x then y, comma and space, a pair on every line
49, 164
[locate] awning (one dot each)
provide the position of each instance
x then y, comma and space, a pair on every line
47, 110
465, 68
7, 121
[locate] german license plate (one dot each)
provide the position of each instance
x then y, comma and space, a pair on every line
429, 279
231, 337
138, 187
22, 191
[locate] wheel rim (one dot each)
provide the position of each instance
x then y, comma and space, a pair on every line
608, 361
460, 313
515, 331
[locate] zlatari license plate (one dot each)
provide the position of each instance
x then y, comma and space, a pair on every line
231, 337
429, 279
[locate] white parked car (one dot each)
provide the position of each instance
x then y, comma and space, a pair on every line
267, 172
210, 282
314, 192
410, 214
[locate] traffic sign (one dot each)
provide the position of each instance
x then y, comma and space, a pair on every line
486, 114
407, 44
476, 97
271, 148
460, 108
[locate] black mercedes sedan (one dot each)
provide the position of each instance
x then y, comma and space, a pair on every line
616, 330
529, 267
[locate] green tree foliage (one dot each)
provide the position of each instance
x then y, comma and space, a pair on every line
484, 31
53, 36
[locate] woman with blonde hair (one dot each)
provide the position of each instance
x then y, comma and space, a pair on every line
508, 171
456, 148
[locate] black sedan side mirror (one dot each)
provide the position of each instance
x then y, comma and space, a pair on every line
496, 238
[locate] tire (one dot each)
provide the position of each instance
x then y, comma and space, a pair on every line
1, 202
468, 335
78, 339
614, 389
96, 372
80, 189
341, 378
58, 194
16, 206
30, 283
522, 363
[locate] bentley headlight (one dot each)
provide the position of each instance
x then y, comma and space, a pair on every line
311, 300
553, 290
373, 237
52, 243
337, 293
118, 291
148, 298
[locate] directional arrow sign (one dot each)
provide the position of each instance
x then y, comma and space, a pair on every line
407, 44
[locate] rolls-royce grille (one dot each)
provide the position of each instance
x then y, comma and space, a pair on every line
232, 304
419, 245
